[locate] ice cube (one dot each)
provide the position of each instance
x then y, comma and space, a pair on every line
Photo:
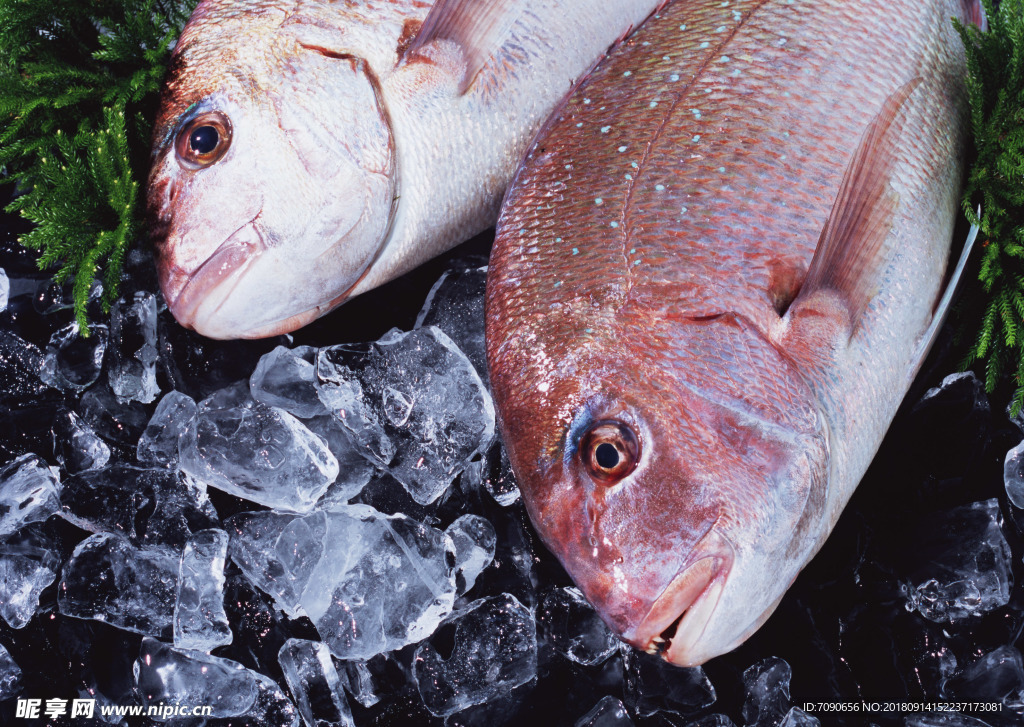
797, 717
166, 676
767, 685
1013, 475
132, 372
73, 362
258, 453
75, 444
456, 305
416, 393
965, 567
199, 619
158, 445
20, 364
285, 378
27, 566
116, 422
572, 627
992, 678
474, 540
5, 290
653, 685
369, 582
110, 580
609, 712
149, 506
29, 493
10, 674
494, 651
354, 471
315, 684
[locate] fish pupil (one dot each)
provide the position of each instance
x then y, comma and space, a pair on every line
607, 456
204, 139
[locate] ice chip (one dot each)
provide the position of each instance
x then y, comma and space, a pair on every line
609, 712
27, 567
199, 619
73, 362
494, 651
285, 378
76, 446
5, 290
369, 582
474, 540
168, 676
29, 493
415, 394
110, 580
258, 453
653, 685
456, 305
500, 481
315, 684
158, 445
10, 674
767, 685
1013, 475
360, 683
133, 336
572, 627
965, 564
149, 506
20, 366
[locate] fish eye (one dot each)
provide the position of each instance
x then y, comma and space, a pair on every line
203, 140
610, 450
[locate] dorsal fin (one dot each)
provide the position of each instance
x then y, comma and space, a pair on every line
479, 27
850, 249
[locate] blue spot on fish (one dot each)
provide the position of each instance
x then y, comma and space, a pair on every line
575, 251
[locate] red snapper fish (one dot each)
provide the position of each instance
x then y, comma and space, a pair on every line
308, 151
714, 278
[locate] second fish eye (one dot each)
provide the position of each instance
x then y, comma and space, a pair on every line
609, 450
204, 140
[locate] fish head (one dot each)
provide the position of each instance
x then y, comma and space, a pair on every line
273, 183
678, 472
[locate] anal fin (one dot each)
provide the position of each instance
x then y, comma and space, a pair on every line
478, 27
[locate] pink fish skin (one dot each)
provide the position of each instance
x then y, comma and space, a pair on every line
688, 400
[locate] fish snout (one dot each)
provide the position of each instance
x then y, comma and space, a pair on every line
194, 297
676, 622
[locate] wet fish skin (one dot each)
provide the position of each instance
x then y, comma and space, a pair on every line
343, 159
647, 276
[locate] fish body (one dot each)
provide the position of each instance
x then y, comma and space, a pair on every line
713, 280
308, 151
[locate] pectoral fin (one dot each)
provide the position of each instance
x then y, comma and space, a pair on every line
479, 27
851, 251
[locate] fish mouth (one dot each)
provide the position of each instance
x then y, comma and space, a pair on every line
680, 615
210, 285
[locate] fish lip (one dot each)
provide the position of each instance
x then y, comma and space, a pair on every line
689, 599
222, 270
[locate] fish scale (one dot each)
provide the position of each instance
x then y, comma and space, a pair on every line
648, 275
